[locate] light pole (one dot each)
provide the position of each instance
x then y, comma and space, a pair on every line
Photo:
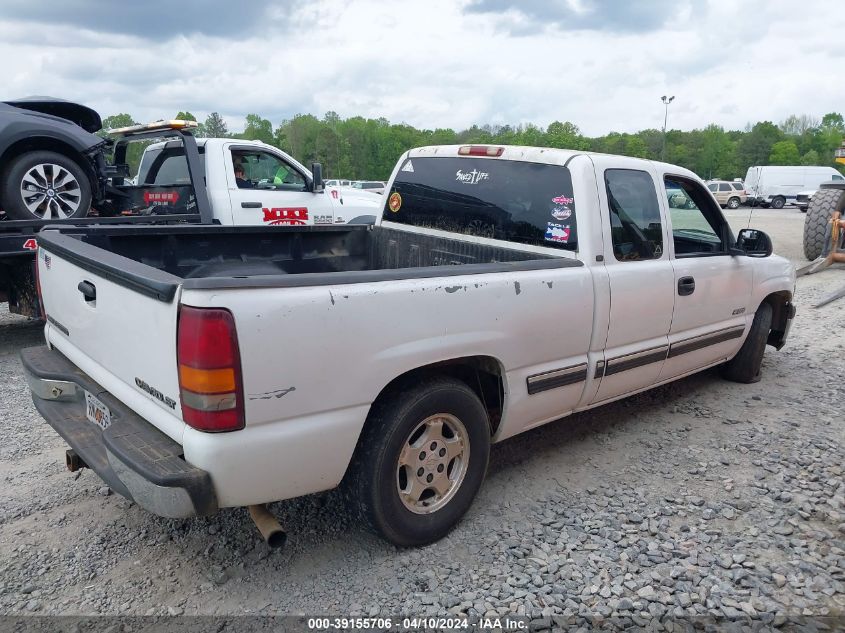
666, 101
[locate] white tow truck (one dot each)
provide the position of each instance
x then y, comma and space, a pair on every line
501, 288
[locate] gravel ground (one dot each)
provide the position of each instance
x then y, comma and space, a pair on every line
699, 498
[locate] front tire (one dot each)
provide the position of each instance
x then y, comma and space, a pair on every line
745, 366
420, 461
45, 185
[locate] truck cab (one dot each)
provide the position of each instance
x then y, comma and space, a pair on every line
250, 183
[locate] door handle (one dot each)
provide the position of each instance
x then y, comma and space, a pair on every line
686, 286
250, 205
88, 290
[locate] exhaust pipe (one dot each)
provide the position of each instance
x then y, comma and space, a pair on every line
74, 462
271, 531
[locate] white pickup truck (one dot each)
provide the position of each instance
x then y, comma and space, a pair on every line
502, 288
273, 189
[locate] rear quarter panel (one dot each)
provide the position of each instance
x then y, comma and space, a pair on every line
315, 358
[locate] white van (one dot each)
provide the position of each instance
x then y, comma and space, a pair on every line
773, 185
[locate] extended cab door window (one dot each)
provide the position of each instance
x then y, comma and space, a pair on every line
636, 229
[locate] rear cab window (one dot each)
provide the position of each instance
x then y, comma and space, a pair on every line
520, 202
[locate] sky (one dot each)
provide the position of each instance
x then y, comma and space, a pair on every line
601, 64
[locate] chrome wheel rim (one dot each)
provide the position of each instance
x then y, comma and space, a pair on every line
433, 463
50, 191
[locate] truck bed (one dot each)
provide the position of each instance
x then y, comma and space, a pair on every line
156, 260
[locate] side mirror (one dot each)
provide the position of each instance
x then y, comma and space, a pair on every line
754, 243
317, 185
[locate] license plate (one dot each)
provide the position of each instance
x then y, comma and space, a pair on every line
97, 412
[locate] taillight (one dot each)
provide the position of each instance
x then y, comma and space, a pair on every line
210, 385
480, 150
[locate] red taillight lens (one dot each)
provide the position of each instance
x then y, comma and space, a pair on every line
210, 385
480, 150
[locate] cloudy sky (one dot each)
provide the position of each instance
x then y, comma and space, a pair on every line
602, 64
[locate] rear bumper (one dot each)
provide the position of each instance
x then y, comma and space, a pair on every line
132, 456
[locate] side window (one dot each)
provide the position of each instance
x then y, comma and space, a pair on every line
713, 187
724, 187
737, 186
697, 225
262, 170
838, 178
635, 225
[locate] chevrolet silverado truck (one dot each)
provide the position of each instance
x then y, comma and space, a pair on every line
502, 288
179, 180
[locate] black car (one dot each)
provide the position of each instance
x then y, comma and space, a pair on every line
50, 159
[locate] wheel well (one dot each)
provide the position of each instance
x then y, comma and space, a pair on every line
778, 301
482, 374
37, 143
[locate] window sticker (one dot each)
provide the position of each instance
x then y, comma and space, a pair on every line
409, 167
557, 232
562, 213
563, 200
394, 202
471, 177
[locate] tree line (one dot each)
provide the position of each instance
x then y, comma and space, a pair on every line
360, 148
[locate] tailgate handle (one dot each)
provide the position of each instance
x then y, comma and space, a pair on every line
250, 205
88, 290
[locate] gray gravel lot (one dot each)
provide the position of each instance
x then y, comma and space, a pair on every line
700, 498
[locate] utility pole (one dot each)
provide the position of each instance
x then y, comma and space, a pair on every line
666, 101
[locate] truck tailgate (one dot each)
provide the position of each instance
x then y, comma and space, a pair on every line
115, 319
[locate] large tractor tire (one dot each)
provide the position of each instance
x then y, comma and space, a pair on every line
821, 208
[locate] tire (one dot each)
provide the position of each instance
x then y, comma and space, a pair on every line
58, 187
745, 366
778, 202
822, 206
733, 203
391, 436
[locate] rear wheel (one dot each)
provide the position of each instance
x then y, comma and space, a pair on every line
778, 202
733, 203
824, 203
45, 185
745, 366
420, 461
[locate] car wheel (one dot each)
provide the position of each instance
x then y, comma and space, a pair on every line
45, 185
733, 203
745, 366
420, 461
778, 202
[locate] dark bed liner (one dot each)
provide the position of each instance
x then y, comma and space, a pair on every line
155, 260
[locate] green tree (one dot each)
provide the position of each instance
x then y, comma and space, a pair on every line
811, 158
257, 129
116, 121
566, 136
784, 153
215, 126
185, 116
755, 147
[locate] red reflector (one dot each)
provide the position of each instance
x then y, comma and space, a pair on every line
206, 339
480, 150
